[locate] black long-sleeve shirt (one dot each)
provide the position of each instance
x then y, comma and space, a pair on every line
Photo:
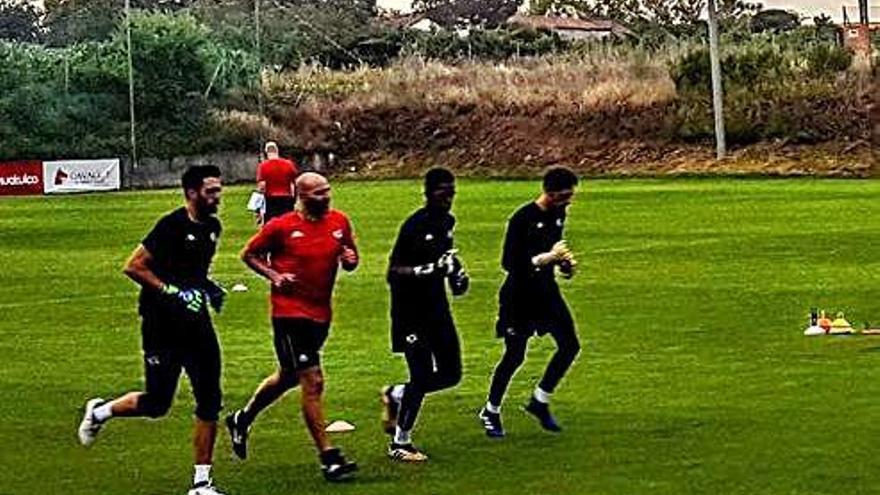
423, 239
531, 231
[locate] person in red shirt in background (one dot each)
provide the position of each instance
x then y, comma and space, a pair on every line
300, 253
276, 179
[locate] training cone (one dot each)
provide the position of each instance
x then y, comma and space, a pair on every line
824, 322
814, 330
339, 426
840, 326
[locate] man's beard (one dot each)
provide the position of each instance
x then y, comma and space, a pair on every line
205, 210
316, 209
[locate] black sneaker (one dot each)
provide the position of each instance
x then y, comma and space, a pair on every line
491, 423
541, 411
238, 434
405, 452
390, 408
335, 467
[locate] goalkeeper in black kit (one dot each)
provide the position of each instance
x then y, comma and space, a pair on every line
530, 300
422, 263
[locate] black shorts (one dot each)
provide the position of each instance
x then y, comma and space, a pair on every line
408, 329
277, 206
172, 344
298, 342
524, 314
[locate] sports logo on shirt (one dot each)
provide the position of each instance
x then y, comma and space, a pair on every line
337, 234
559, 222
296, 234
190, 237
429, 237
449, 234
540, 225
213, 237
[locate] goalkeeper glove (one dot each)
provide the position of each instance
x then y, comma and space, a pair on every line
190, 299
459, 282
566, 268
448, 263
559, 252
425, 270
216, 294
444, 266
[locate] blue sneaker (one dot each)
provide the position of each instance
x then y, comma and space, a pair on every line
491, 423
541, 411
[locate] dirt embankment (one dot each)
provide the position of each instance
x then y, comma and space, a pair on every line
516, 123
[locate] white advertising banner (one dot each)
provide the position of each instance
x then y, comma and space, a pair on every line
66, 176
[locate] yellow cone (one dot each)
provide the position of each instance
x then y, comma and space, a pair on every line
840, 326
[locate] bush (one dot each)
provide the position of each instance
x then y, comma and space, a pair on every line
823, 60
774, 87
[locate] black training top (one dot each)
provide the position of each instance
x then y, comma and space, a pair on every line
182, 251
423, 239
531, 231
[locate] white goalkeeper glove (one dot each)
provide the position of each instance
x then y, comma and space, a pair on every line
559, 252
444, 266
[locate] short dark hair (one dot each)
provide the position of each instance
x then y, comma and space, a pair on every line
195, 176
559, 179
437, 176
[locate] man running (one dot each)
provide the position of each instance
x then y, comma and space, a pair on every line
299, 253
421, 263
530, 300
171, 266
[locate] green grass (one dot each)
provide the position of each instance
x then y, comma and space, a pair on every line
690, 303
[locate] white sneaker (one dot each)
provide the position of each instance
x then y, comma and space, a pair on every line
205, 489
89, 427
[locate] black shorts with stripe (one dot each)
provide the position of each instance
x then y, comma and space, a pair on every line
173, 343
298, 342
530, 312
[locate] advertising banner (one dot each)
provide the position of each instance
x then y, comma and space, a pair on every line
21, 178
65, 176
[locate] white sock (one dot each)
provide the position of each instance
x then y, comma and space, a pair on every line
402, 436
397, 393
542, 396
202, 474
492, 408
102, 413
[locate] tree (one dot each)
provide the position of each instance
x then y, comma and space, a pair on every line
774, 21
453, 14
293, 32
72, 21
19, 21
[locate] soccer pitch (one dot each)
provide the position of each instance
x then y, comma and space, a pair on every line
690, 302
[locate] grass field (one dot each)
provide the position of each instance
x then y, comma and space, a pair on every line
694, 377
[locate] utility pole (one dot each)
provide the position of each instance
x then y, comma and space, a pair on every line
717, 91
257, 45
134, 161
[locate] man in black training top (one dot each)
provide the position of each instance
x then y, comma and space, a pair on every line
171, 266
422, 261
530, 301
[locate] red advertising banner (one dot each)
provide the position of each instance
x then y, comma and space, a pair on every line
21, 178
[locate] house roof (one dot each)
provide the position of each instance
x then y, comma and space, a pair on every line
402, 21
567, 23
